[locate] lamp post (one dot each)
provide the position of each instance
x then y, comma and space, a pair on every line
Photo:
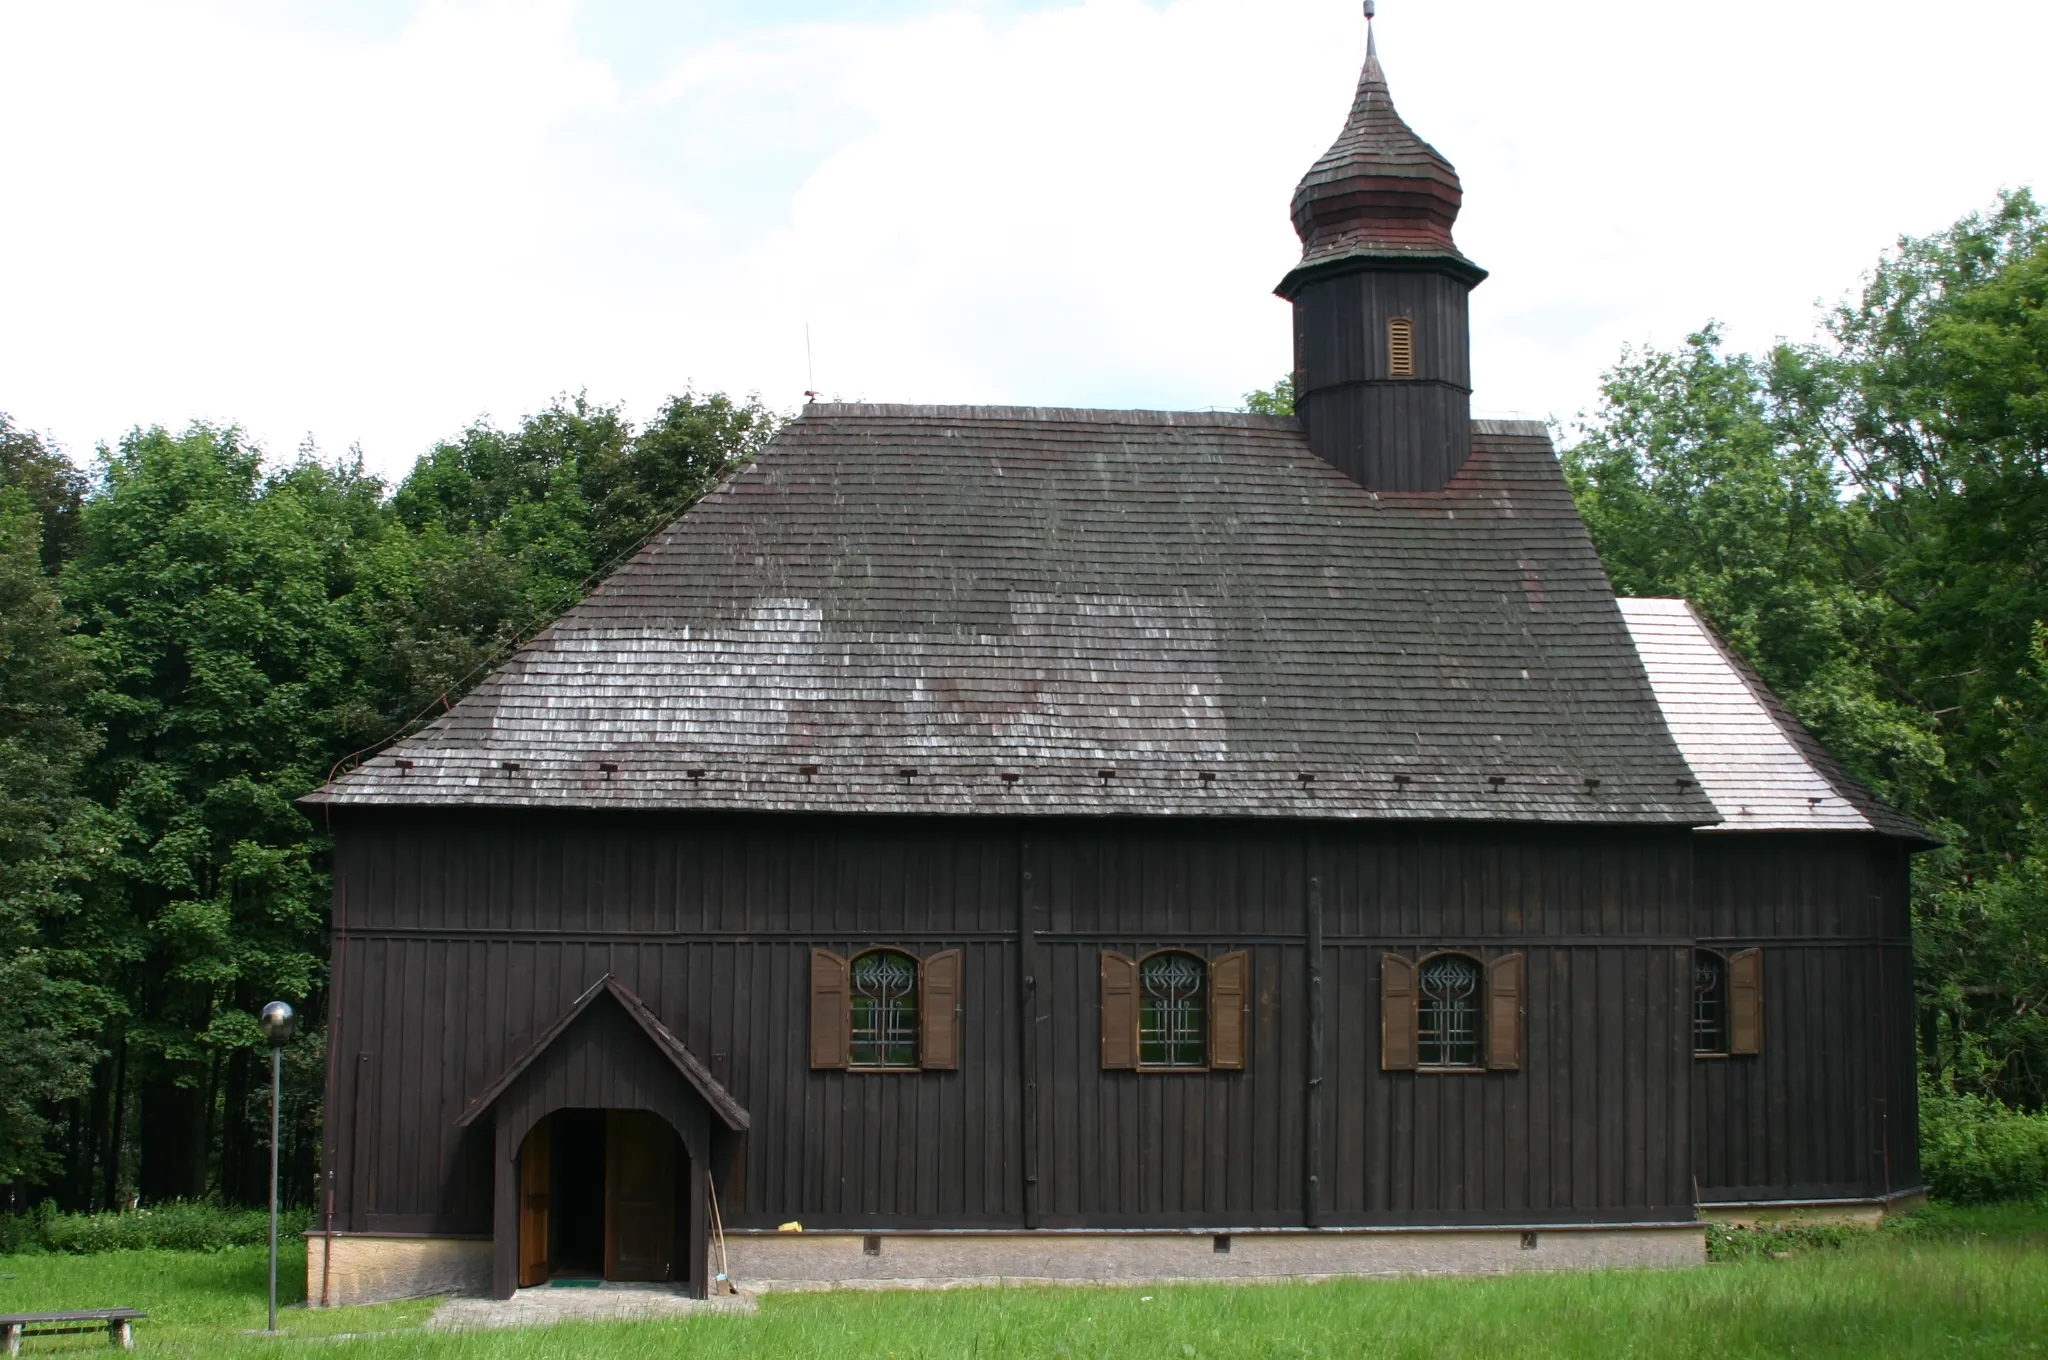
278, 1023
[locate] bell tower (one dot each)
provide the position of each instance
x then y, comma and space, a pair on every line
1382, 342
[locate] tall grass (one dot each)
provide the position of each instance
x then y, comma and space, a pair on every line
1959, 1282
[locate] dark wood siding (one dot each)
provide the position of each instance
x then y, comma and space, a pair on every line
1392, 434
1828, 1109
1595, 1124
468, 934
1342, 326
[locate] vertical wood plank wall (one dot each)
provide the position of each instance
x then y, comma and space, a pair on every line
1829, 1108
1392, 434
470, 934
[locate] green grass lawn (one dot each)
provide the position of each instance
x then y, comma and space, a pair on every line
1949, 1282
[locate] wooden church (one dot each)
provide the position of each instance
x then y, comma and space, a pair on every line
984, 844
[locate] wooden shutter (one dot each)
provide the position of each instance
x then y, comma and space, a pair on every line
1119, 1011
1504, 978
1746, 1002
828, 1009
938, 1012
1229, 1010
1397, 1013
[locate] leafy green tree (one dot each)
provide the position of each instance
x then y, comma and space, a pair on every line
48, 839
54, 488
690, 446
1938, 387
219, 603
510, 527
1699, 477
240, 631
1866, 519
1277, 400
1936, 393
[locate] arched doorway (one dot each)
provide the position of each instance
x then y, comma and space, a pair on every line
621, 1094
603, 1196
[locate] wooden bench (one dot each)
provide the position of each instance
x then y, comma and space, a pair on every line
118, 1322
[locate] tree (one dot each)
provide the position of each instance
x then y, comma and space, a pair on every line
1936, 394
1277, 400
47, 840
693, 443
241, 630
220, 606
1700, 477
1866, 520
510, 527
54, 488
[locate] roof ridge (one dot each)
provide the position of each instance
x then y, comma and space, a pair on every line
1088, 415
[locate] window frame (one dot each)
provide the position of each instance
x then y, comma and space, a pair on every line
1479, 1013
916, 995
1206, 993
1226, 1007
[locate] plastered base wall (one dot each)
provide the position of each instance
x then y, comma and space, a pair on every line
380, 1269
785, 1261
1869, 1213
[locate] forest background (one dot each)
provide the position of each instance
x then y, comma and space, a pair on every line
191, 637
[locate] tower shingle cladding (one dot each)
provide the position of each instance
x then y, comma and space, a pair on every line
1374, 215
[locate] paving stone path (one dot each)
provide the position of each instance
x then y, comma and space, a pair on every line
543, 1306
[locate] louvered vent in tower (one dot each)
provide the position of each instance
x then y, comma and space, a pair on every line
1400, 347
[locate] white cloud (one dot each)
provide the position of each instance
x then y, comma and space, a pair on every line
375, 236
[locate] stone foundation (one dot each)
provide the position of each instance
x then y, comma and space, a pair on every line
372, 1269
1865, 1212
765, 1262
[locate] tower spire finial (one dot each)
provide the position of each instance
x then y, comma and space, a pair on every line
1380, 282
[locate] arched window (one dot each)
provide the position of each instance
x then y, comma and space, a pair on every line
1709, 1002
1173, 1011
1447, 1011
885, 1010
882, 1005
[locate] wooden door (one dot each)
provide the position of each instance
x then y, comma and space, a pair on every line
536, 1159
641, 1154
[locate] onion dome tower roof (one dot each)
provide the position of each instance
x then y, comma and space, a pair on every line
1380, 193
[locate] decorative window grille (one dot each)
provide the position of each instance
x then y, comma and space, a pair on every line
1173, 1012
884, 1010
1709, 1002
1447, 1014
1400, 347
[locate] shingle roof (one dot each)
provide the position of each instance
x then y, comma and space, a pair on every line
999, 610
1380, 192
1759, 764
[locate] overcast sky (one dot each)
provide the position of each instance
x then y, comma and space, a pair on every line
372, 222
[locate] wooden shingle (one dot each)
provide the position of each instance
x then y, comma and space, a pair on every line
895, 607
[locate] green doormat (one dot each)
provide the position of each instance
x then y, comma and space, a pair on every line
574, 1284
